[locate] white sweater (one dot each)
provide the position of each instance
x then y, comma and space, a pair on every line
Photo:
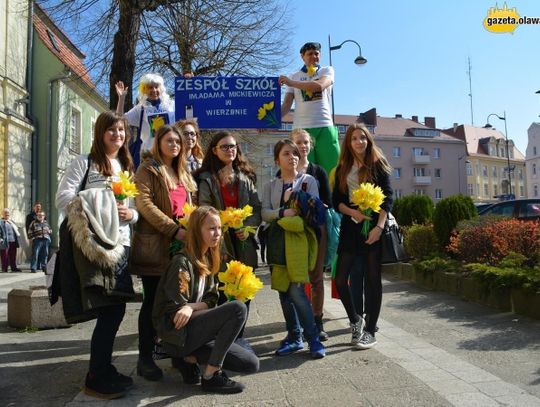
70, 185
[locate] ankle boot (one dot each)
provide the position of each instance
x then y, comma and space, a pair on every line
147, 368
323, 336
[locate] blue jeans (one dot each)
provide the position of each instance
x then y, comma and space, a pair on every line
40, 253
298, 313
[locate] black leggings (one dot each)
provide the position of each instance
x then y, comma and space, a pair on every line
372, 288
108, 321
147, 333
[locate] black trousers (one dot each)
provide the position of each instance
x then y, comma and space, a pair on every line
147, 333
108, 321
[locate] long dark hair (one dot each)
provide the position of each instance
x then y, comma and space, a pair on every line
98, 154
374, 158
213, 164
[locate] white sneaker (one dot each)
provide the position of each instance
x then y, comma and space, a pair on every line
367, 341
356, 331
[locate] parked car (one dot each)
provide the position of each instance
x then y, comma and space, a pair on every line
480, 206
528, 209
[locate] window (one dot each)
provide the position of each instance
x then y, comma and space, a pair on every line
397, 173
484, 170
270, 149
534, 169
486, 190
418, 151
511, 152
419, 192
286, 126
469, 169
396, 151
398, 193
535, 190
245, 147
521, 190
502, 153
419, 172
438, 194
491, 150
534, 150
436, 153
494, 171
470, 190
495, 190
437, 173
75, 131
520, 173
341, 128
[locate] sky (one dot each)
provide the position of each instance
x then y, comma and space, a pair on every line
417, 54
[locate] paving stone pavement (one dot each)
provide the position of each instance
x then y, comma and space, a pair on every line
433, 350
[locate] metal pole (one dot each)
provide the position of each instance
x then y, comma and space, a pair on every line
507, 155
332, 93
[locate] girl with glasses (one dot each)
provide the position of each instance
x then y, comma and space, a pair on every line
189, 129
226, 179
164, 187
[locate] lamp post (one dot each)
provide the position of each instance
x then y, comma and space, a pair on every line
359, 60
459, 171
489, 126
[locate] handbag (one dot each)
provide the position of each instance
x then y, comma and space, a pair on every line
392, 247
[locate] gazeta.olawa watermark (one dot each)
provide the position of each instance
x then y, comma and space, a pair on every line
506, 20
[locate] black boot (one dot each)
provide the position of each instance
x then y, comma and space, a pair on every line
323, 336
191, 373
101, 387
147, 368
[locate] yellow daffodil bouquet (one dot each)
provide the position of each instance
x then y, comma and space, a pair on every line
234, 218
125, 187
177, 245
368, 198
240, 283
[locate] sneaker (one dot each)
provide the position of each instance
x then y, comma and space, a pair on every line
356, 330
147, 368
244, 344
102, 388
287, 347
123, 380
316, 348
323, 336
220, 383
367, 341
32, 271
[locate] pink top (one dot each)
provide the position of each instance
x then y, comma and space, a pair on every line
178, 197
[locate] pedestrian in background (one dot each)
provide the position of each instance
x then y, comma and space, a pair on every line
360, 161
9, 235
40, 233
32, 216
189, 129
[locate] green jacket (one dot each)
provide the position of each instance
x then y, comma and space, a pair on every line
170, 297
300, 254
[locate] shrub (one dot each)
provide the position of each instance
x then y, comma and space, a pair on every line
420, 241
511, 272
412, 209
448, 212
491, 242
438, 264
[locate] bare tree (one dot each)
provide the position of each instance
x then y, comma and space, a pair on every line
124, 38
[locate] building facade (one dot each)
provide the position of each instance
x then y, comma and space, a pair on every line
16, 130
65, 105
532, 161
495, 168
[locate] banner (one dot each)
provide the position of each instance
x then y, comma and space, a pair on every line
233, 102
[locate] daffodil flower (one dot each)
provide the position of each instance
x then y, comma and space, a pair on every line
124, 188
239, 282
368, 198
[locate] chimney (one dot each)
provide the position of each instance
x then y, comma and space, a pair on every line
398, 116
415, 119
429, 122
455, 127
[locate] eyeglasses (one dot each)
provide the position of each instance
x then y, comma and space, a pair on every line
227, 147
190, 134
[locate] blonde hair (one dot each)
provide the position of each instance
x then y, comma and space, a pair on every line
178, 164
207, 263
296, 132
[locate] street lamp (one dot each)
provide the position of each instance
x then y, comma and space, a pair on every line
359, 60
489, 126
459, 171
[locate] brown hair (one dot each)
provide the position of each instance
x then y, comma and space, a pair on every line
213, 164
209, 262
373, 160
196, 151
98, 155
282, 143
178, 163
